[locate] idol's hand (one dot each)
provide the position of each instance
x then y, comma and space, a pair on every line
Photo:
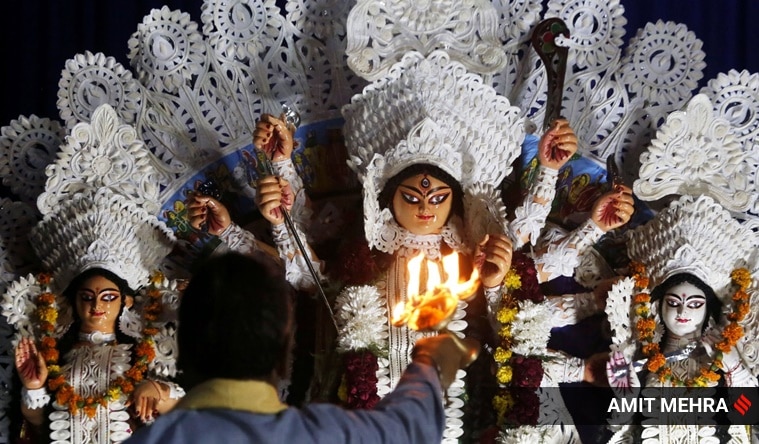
205, 211
30, 365
622, 377
613, 209
273, 136
557, 145
145, 399
493, 257
274, 193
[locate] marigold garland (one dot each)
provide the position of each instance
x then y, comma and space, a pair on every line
515, 401
47, 314
645, 327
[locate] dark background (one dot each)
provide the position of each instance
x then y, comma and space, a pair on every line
38, 36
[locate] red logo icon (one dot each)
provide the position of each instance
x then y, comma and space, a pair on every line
742, 404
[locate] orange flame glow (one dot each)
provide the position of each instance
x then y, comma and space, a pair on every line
434, 308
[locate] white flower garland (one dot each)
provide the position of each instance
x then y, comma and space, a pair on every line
361, 318
531, 328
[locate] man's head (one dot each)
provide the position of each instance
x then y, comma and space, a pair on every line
235, 319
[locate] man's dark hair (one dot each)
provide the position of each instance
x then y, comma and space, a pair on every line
713, 304
234, 319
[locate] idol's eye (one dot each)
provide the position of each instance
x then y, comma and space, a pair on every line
410, 198
110, 296
86, 296
672, 302
439, 198
695, 304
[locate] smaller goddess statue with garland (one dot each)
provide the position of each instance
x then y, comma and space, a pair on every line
683, 319
94, 344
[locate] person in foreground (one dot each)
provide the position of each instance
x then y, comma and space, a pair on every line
234, 336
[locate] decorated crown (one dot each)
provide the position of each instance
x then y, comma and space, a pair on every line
696, 155
429, 110
101, 229
98, 204
693, 235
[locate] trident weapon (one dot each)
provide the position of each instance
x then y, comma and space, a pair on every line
292, 118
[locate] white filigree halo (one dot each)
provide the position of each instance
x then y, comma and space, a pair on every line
379, 34
430, 110
105, 153
696, 152
693, 235
99, 204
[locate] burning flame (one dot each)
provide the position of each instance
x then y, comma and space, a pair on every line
434, 308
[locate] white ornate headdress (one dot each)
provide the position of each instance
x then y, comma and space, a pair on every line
696, 154
708, 230
430, 110
693, 235
98, 206
98, 212
101, 229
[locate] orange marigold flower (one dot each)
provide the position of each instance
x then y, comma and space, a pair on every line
655, 362
44, 278
710, 375
144, 349
743, 309
50, 355
665, 373
641, 282
46, 298
47, 342
127, 387
741, 277
47, 327
732, 333
740, 295
637, 268
64, 395
56, 382
90, 410
645, 325
153, 293
134, 374
642, 298
651, 349
149, 331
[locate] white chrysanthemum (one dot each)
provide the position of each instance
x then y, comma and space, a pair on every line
361, 318
531, 329
523, 435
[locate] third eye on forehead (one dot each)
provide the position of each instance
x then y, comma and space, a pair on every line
425, 193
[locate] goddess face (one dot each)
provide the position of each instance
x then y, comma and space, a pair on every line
422, 204
684, 309
98, 302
